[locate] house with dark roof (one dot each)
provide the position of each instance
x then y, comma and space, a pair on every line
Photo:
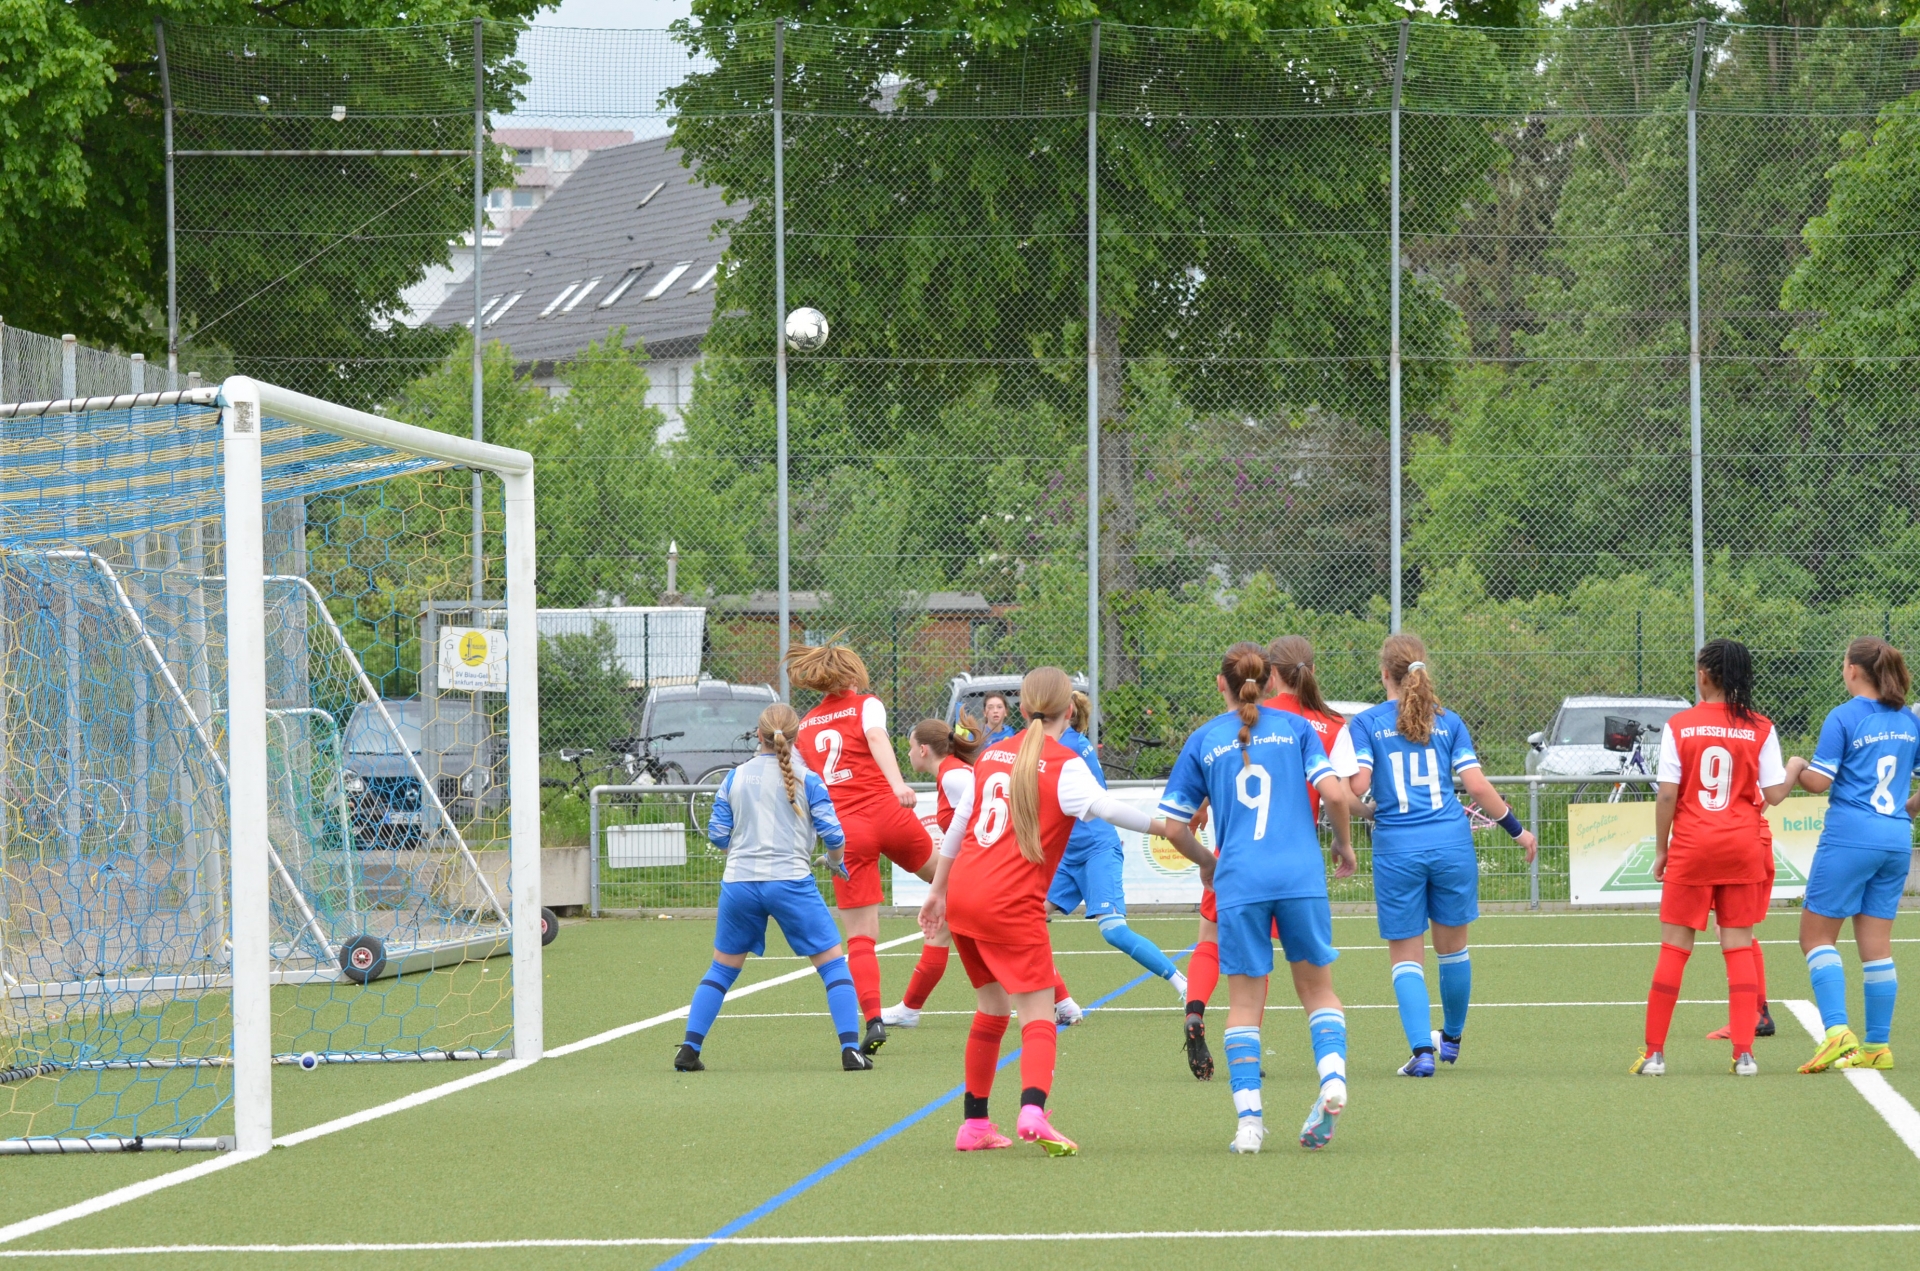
628, 240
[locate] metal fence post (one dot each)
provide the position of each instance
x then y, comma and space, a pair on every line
173, 273
780, 335
593, 851
1093, 389
479, 213
1533, 824
1393, 337
1693, 329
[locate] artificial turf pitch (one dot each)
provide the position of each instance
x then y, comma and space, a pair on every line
1538, 1127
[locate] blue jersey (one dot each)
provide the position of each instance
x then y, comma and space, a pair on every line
1868, 750
1005, 731
1094, 835
1414, 805
1269, 849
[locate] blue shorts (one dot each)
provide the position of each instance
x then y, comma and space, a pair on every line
1095, 879
1246, 940
1845, 881
794, 903
1412, 889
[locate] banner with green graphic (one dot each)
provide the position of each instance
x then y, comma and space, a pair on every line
1610, 861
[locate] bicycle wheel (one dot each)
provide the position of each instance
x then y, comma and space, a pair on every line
700, 806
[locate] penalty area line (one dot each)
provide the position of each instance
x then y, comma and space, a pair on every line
174, 1178
1012, 1237
1874, 1088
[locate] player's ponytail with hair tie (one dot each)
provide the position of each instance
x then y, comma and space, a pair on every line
1291, 659
1885, 666
1244, 669
1045, 693
1404, 659
778, 724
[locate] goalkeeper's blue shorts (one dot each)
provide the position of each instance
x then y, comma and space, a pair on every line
794, 903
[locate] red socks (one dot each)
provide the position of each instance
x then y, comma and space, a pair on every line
1743, 1010
1203, 972
1039, 1045
1060, 993
1759, 977
864, 965
1666, 993
983, 1054
926, 974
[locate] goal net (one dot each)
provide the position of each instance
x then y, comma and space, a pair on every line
251, 821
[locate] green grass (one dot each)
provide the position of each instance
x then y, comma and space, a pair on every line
1538, 1126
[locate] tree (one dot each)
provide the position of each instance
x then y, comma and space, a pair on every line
82, 244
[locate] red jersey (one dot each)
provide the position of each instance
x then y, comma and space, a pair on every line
953, 782
833, 742
1720, 834
995, 894
1327, 726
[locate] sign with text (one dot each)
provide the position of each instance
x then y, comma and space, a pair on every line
473, 660
1152, 873
1610, 856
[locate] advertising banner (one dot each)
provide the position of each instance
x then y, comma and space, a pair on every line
473, 659
1610, 857
1153, 872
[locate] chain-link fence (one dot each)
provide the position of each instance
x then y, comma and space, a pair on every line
1370, 327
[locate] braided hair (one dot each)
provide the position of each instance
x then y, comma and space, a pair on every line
1244, 668
777, 727
1729, 665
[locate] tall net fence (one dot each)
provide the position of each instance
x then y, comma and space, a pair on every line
1251, 344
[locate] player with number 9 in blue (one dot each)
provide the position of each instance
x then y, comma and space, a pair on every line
1408, 750
1252, 765
1864, 763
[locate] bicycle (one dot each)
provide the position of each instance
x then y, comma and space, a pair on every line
1125, 766
1624, 737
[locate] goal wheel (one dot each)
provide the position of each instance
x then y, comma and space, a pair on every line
549, 925
363, 958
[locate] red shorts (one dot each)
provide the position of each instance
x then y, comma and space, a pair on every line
1210, 910
1737, 904
1017, 968
885, 830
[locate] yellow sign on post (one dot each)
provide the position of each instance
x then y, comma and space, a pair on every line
473, 660
1610, 850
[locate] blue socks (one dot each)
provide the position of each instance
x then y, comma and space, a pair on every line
1328, 1028
1882, 987
842, 1002
1416, 1008
1243, 1069
707, 997
1829, 985
1456, 991
1116, 932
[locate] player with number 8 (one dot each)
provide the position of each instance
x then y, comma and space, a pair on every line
1712, 849
1408, 750
1864, 762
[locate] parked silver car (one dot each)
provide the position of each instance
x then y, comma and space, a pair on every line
1602, 737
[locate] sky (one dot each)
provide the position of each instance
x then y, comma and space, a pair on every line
615, 13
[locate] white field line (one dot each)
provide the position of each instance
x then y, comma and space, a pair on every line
1020, 1237
1880, 1096
1639, 1003
147, 1187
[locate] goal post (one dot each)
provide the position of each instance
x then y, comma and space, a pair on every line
226, 850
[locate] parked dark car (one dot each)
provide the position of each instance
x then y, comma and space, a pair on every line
715, 721
385, 800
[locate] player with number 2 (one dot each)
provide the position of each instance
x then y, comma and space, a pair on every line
1408, 750
1864, 763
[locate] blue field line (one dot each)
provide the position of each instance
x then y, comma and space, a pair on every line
847, 1158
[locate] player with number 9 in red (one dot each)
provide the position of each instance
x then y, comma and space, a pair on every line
1720, 767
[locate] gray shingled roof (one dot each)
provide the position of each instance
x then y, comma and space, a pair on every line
595, 226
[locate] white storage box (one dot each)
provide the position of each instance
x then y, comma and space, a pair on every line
638, 846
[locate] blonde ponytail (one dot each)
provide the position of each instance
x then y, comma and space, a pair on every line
778, 724
1082, 712
1045, 693
1404, 658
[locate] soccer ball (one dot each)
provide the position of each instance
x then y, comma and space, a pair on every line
806, 330
309, 1061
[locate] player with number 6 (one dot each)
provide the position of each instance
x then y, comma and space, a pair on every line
1408, 750
1712, 848
1863, 762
